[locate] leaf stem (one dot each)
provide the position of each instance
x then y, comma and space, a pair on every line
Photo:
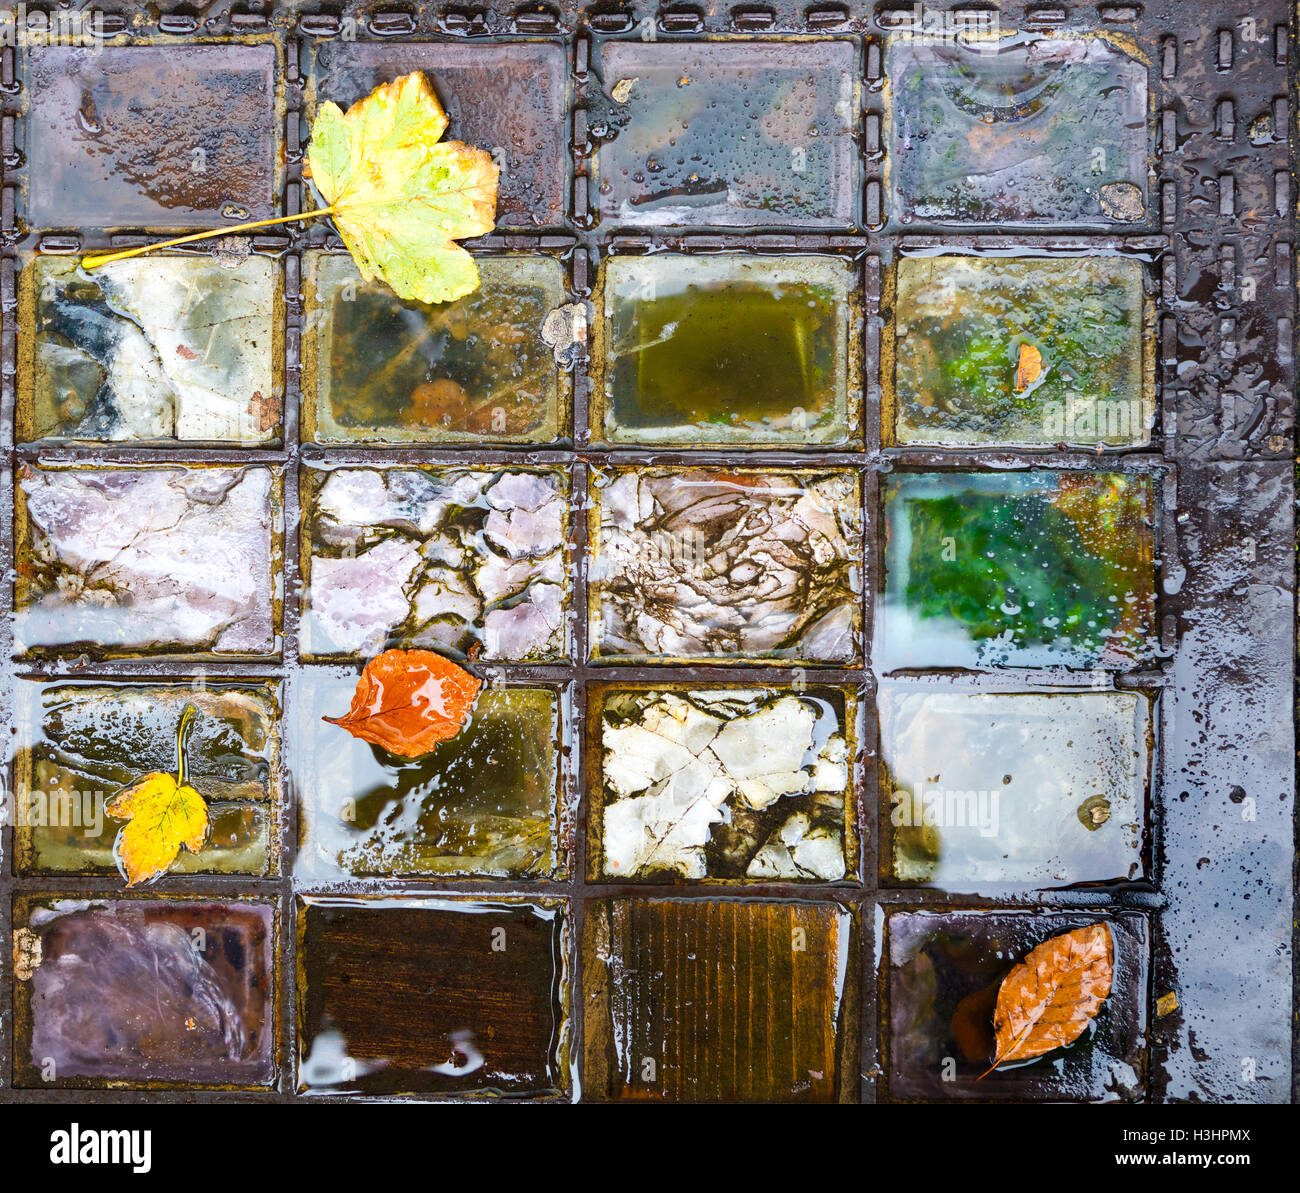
186, 717
97, 259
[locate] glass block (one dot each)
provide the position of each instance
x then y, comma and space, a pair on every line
727, 133
126, 991
727, 350
477, 370
1022, 569
984, 790
720, 1001
944, 971
484, 802
151, 136
161, 349
81, 743
144, 560
471, 560
727, 784
1021, 131
433, 996
696, 563
511, 100
1023, 352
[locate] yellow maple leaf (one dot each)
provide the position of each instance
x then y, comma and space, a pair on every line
399, 195
163, 814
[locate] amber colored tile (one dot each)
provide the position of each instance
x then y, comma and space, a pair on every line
720, 1001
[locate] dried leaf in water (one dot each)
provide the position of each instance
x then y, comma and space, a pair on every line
1048, 1000
163, 814
1029, 368
399, 196
407, 701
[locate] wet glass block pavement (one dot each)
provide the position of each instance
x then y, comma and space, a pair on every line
863, 483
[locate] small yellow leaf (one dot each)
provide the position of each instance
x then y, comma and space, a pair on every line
162, 816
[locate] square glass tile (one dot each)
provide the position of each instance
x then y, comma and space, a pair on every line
161, 349
479, 370
727, 133
693, 563
112, 141
740, 350
981, 790
942, 974
485, 802
720, 1001
1022, 352
147, 560
161, 991
425, 995
1018, 569
80, 743
726, 784
1017, 131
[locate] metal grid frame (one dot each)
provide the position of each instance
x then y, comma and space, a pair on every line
1221, 431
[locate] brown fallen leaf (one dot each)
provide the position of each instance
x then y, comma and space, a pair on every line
1048, 1000
163, 815
1029, 368
407, 701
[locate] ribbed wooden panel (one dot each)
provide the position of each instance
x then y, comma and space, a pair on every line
717, 1000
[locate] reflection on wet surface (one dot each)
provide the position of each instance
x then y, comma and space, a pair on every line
1020, 131
468, 560
484, 802
508, 99
136, 990
944, 972
720, 1001
146, 559
161, 349
728, 349
113, 138
1025, 569
81, 743
431, 996
728, 783
706, 564
476, 370
984, 790
726, 133
995, 351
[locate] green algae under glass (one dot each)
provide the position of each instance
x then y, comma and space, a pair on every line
1022, 352
1025, 569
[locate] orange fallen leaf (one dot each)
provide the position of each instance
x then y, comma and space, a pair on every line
163, 814
1048, 1000
1029, 368
407, 701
